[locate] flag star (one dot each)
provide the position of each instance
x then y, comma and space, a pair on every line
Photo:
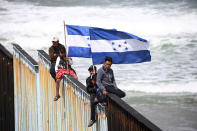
119, 45
126, 48
88, 45
114, 49
125, 42
88, 38
113, 43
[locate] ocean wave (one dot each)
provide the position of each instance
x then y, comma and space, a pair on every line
162, 88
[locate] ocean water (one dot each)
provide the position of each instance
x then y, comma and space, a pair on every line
163, 90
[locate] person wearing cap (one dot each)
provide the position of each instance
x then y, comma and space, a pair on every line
106, 80
92, 70
53, 54
96, 94
91, 89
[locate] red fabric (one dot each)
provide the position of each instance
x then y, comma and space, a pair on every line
61, 72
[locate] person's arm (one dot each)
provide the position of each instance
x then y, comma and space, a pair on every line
52, 53
114, 82
70, 61
89, 89
87, 81
57, 63
99, 78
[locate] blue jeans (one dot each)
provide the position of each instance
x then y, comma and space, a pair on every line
100, 96
93, 108
52, 71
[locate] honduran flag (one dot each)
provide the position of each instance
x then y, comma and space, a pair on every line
124, 48
78, 41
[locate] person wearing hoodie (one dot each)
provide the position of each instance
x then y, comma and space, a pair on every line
106, 81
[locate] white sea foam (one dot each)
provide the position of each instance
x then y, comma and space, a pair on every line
162, 88
33, 26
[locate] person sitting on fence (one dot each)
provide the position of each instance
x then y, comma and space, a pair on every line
63, 67
53, 54
92, 70
96, 94
106, 80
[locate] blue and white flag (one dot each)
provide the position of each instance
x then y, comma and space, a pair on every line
78, 41
123, 47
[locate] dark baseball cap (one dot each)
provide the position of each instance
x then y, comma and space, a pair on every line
91, 68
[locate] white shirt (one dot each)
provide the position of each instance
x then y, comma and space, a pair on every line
58, 61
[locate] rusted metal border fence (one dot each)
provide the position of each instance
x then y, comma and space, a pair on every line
26, 91
74, 104
6, 90
35, 109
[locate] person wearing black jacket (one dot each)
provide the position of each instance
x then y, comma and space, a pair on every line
91, 89
92, 70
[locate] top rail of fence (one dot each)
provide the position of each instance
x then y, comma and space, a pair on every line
25, 57
6, 52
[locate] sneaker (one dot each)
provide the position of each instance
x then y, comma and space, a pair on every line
56, 98
91, 123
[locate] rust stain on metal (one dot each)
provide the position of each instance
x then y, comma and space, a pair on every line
25, 96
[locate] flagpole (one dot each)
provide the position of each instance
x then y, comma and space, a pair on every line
65, 44
65, 37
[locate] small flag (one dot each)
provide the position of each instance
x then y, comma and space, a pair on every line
78, 41
124, 48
